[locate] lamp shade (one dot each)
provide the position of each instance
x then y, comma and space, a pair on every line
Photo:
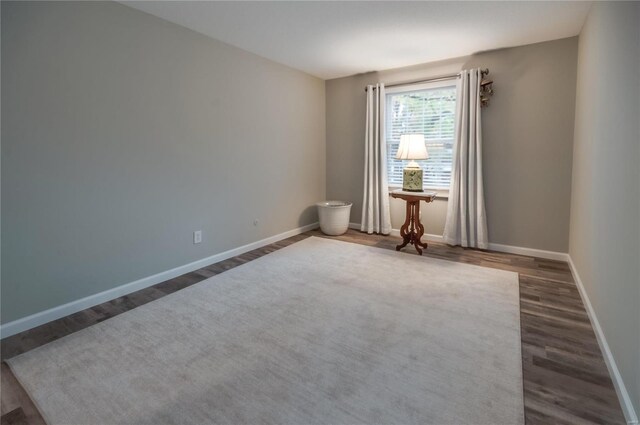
412, 147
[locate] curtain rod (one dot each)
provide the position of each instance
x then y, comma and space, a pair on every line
430, 80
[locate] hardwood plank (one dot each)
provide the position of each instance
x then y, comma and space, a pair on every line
565, 378
16, 406
15, 417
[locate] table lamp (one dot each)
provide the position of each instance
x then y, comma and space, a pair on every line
412, 147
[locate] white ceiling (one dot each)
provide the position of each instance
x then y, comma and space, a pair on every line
335, 39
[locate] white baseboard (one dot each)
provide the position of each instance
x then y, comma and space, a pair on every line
25, 323
531, 252
428, 236
396, 232
618, 383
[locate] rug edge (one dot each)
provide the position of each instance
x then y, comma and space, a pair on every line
27, 390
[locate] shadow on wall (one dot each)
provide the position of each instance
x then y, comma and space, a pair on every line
308, 215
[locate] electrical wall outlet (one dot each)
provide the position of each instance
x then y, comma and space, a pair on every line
197, 236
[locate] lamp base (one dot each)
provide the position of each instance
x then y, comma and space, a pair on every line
412, 179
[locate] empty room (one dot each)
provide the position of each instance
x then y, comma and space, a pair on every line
320, 212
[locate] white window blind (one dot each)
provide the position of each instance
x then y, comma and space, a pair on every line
429, 110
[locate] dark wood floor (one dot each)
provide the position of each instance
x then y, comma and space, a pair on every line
565, 377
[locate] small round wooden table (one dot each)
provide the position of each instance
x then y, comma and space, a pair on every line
412, 230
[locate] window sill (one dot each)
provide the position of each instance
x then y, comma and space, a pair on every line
441, 193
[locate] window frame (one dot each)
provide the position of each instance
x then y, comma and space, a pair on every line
407, 88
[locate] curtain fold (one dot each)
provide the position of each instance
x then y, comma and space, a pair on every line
466, 222
375, 206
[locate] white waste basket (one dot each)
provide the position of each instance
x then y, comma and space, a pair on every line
334, 217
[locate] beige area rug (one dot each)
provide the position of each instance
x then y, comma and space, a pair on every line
320, 332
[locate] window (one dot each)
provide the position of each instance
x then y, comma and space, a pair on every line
427, 109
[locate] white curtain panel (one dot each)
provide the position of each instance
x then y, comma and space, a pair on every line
466, 222
375, 207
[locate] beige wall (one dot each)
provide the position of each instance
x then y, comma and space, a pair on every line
528, 133
605, 196
123, 133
